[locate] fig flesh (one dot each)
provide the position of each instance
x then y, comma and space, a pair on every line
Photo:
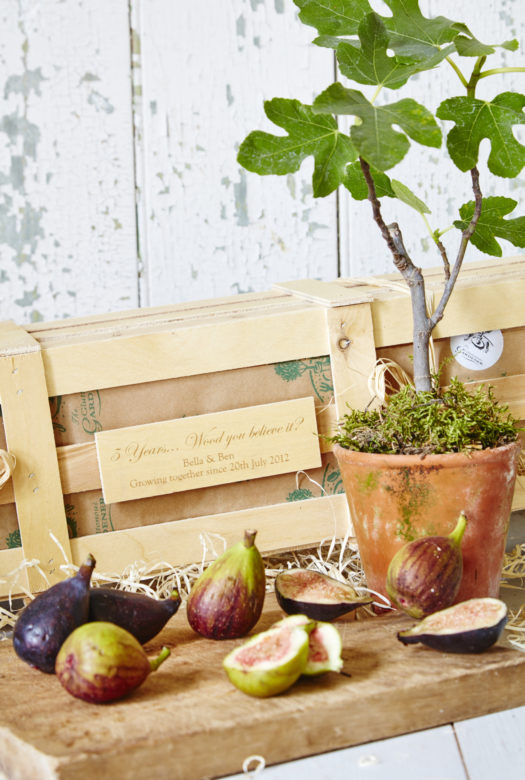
424, 575
227, 599
319, 597
324, 650
468, 627
46, 622
101, 662
141, 615
324, 645
270, 662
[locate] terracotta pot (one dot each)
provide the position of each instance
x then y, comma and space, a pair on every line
396, 498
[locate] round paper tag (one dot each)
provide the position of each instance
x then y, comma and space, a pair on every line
478, 350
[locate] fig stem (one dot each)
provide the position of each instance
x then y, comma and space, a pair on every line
156, 662
86, 570
459, 530
175, 595
249, 538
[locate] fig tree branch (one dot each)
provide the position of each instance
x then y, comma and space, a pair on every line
465, 238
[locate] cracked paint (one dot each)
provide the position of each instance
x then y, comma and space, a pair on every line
241, 204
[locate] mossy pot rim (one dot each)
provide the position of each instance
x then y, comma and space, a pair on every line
422, 459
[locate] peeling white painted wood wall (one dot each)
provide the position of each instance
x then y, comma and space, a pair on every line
119, 127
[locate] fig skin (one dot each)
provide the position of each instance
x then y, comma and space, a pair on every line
227, 599
424, 575
46, 622
464, 640
339, 598
141, 615
286, 649
100, 662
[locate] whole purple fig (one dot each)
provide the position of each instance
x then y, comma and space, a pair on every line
47, 621
101, 662
227, 599
141, 615
424, 575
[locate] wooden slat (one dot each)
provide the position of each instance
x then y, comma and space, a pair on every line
325, 293
185, 351
473, 306
352, 354
492, 745
29, 435
280, 527
518, 501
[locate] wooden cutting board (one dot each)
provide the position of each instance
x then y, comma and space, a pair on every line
188, 722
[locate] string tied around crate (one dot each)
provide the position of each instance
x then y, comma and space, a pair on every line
7, 466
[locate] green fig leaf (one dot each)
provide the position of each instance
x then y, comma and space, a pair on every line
309, 133
370, 63
375, 137
355, 183
478, 119
333, 17
403, 193
413, 35
471, 47
492, 225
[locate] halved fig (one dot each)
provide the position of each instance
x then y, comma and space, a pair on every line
324, 644
270, 662
468, 627
319, 597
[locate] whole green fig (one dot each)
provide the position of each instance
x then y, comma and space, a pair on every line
424, 576
100, 662
227, 599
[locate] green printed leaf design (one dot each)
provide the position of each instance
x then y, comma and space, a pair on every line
370, 63
331, 481
492, 225
355, 183
375, 137
318, 370
478, 119
308, 134
333, 17
403, 193
13, 539
301, 494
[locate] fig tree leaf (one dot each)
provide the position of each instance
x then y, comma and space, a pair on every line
355, 183
333, 17
309, 133
478, 119
471, 47
369, 63
403, 193
492, 225
375, 137
413, 35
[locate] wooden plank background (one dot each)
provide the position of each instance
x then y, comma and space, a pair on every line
119, 128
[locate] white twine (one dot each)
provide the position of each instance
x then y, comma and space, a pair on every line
7, 466
260, 765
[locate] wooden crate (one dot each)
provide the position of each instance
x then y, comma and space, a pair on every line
350, 322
